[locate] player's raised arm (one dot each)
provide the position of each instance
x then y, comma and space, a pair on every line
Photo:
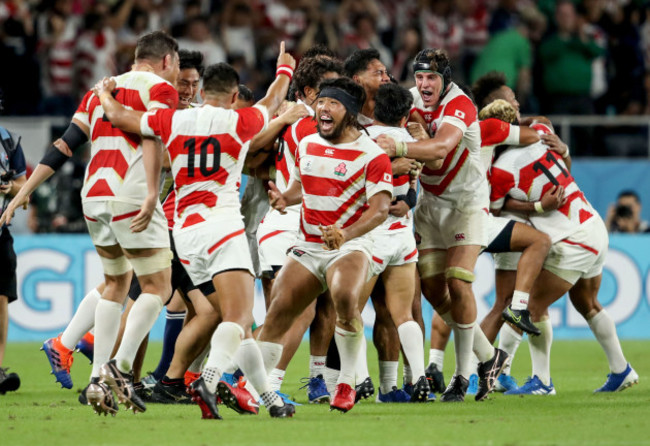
121, 117
278, 89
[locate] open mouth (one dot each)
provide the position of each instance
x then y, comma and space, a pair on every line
326, 123
185, 101
427, 96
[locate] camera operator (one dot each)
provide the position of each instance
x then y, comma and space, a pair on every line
12, 178
625, 215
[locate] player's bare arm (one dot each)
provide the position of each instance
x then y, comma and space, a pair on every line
278, 90
427, 151
152, 161
62, 149
553, 199
268, 136
121, 117
555, 144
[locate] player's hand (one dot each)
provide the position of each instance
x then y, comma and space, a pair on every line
18, 201
333, 236
293, 113
106, 85
416, 130
555, 144
276, 199
388, 144
285, 58
5, 189
141, 221
398, 208
402, 166
553, 198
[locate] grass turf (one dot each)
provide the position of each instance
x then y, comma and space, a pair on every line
40, 413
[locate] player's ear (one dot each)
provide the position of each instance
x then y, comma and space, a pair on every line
233, 98
403, 121
202, 94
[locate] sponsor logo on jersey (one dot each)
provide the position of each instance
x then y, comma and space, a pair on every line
329, 152
460, 236
298, 252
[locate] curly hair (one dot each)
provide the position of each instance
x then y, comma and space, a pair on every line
486, 85
499, 109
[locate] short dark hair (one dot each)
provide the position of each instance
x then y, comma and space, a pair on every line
359, 61
486, 85
220, 78
319, 50
191, 59
630, 193
352, 88
245, 93
392, 103
155, 46
311, 70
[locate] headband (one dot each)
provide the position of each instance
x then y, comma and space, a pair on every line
349, 102
425, 66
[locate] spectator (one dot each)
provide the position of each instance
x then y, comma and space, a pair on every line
197, 37
504, 16
510, 52
475, 18
625, 215
411, 44
12, 169
441, 27
237, 31
364, 37
565, 58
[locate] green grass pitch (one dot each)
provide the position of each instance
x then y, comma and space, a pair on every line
42, 414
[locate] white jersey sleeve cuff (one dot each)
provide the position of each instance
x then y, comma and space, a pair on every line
145, 130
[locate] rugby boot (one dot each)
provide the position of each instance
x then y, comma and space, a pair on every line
364, 390
238, 398
455, 392
206, 400
122, 384
9, 382
436, 378
60, 359
344, 398
488, 372
87, 346
520, 319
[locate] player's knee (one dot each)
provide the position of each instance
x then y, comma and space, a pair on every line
432, 264
459, 280
155, 263
543, 243
116, 267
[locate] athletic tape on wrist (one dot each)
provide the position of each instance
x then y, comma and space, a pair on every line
401, 149
538, 207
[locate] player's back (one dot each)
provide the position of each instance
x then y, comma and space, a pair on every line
526, 174
115, 170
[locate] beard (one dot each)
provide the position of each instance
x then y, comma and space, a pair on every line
338, 129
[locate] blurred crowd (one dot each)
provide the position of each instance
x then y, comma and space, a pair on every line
561, 56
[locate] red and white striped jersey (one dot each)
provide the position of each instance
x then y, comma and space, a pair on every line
461, 181
285, 163
337, 181
526, 174
115, 170
495, 132
207, 147
401, 183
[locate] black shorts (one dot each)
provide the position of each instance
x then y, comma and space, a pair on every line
8, 285
502, 241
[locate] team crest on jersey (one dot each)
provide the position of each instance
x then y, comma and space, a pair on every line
341, 170
460, 237
307, 166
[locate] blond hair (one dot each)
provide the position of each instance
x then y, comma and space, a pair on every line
499, 109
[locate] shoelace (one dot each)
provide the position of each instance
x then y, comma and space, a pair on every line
309, 381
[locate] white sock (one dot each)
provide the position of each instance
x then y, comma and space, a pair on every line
143, 315
437, 357
82, 321
388, 375
107, 324
223, 345
271, 353
331, 377
361, 368
407, 375
463, 342
276, 377
509, 341
519, 300
482, 347
540, 351
317, 365
410, 336
197, 364
250, 360
605, 331
348, 343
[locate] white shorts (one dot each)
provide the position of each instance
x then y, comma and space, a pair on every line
582, 255
212, 247
392, 248
273, 245
439, 227
108, 224
317, 260
506, 261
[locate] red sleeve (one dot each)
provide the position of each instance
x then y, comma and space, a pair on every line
379, 170
83, 106
502, 182
250, 123
542, 129
165, 94
160, 122
463, 108
493, 131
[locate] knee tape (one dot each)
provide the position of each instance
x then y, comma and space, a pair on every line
143, 266
117, 266
432, 264
456, 272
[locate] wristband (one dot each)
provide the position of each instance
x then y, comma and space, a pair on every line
538, 207
401, 149
284, 69
566, 154
272, 172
